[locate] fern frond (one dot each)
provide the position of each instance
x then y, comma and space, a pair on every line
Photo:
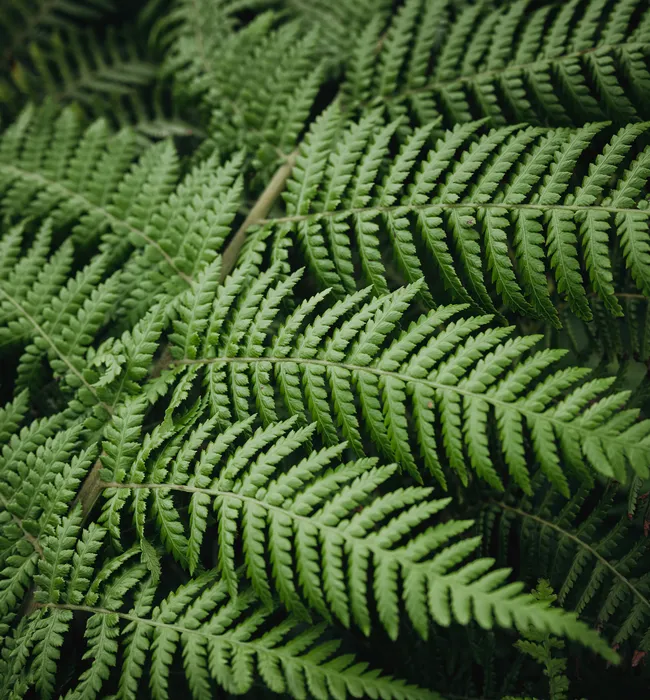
540, 647
190, 35
321, 531
78, 66
605, 338
152, 115
435, 386
215, 470
143, 220
484, 217
338, 22
52, 314
227, 642
555, 64
40, 472
264, 99
597, 567
256, 86
22, 23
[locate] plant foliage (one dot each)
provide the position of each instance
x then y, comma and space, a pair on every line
324, 335
559, 64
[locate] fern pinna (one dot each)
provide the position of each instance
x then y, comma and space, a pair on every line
322, 346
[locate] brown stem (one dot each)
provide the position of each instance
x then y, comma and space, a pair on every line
90, 489
92, 485
257, 214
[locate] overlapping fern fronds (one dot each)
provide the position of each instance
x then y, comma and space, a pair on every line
41, 469
606, 339
51, 562
339, 23
230, 643
316, 524
255, 85
23, 22
91, 182
595, 560
47, 310
485, 217
559, 64
221, 475
190, 35
359, 371
543, 649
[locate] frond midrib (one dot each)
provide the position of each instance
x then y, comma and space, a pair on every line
228, 635
269, 507
581, 543
92, 207
469, 78
408, 379
64, 358
406, 208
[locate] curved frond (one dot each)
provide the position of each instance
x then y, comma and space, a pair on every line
324, 535
22, 23
161, 234
598, 569
41, 469
256, 84
460, 393
225, 643
74, 65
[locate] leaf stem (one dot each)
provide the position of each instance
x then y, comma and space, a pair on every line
581, 543
256, 215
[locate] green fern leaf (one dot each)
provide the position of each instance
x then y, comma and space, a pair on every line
558, 63
474, 198
369, 378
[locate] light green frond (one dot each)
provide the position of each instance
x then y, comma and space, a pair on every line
228, 642
317, 533
452, 380
468, 204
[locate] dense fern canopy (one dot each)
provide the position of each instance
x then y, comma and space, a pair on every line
324, 330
